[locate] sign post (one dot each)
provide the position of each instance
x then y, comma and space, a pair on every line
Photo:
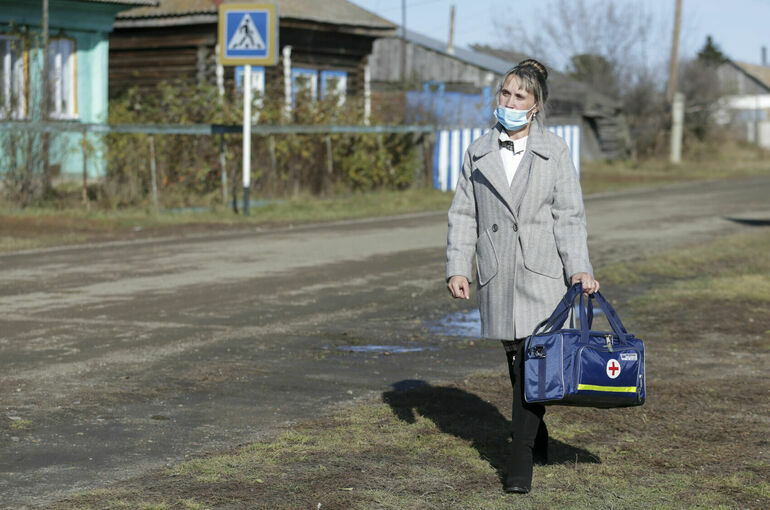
248, 35
246, 137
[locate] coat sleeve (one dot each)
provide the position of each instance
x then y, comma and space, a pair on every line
461, 234
570, 218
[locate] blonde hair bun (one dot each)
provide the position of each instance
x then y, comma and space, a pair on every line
539, 68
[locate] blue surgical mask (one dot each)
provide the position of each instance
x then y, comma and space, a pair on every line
512, 119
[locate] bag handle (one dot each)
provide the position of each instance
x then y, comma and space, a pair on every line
560, 312
611, 314
559, 315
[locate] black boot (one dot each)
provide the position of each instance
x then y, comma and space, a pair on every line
519, 473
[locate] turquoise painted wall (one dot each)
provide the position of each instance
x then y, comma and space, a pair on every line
89, 25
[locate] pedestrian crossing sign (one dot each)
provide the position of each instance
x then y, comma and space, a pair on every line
248, 34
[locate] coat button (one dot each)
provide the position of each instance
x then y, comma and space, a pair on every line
494, 227
515, 228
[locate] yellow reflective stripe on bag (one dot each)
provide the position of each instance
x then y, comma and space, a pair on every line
617, 389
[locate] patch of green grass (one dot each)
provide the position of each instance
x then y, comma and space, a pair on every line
735, 255
724, 283
191, 504
19, 425
42, 227
302, 209
750, 287
117, 499
730, 161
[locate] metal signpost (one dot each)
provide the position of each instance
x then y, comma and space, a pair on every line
248, 35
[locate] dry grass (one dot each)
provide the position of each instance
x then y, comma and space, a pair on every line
52, 226
700, 441
724, 160
40, 228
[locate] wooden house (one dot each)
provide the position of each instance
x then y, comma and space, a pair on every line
324, 47
456, 86
76, 72
742, 78
746, 104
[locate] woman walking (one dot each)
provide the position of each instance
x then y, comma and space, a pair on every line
518, 208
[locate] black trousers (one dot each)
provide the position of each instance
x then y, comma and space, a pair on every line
527, 426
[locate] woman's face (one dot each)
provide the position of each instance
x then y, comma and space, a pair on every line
513, 95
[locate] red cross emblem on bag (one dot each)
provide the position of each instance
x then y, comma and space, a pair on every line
613, 368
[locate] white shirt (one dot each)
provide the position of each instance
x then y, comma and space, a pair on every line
512, 158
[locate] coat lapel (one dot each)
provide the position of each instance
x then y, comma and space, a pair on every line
537, 146
487, 159
520, 181
538, 140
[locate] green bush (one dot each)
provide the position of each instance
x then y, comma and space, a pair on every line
188, 167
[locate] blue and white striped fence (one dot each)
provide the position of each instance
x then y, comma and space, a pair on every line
452, 143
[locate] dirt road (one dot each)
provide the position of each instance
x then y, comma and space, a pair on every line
120, 357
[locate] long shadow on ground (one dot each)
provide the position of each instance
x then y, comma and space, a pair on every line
469, 417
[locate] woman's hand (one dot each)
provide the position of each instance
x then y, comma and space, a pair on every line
458, 287
589, 284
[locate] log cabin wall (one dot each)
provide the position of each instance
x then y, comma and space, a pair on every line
146, 56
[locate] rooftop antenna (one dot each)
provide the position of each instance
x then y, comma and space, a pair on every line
403, 42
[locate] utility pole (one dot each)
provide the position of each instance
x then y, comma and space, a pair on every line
673, 70
451, 46
403, 42
677, 127
674, 98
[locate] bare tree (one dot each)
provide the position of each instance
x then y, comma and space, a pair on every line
596, 71
614, 46
568, 34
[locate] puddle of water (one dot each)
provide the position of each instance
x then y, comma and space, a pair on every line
392, 349
469, 323
576, 311
458, 324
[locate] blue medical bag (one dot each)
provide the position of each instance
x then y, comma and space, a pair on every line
580, 366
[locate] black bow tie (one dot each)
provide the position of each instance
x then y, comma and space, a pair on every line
508, 144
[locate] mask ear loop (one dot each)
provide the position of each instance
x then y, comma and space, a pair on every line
533, 113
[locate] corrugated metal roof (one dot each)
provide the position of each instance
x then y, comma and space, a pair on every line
339, 12
559, 83
478, 59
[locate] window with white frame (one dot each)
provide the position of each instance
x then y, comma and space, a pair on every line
334, 84
12, 78
257, 83
257, 88
62, 79
304, 82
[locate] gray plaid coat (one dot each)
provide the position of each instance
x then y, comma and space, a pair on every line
529, 238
